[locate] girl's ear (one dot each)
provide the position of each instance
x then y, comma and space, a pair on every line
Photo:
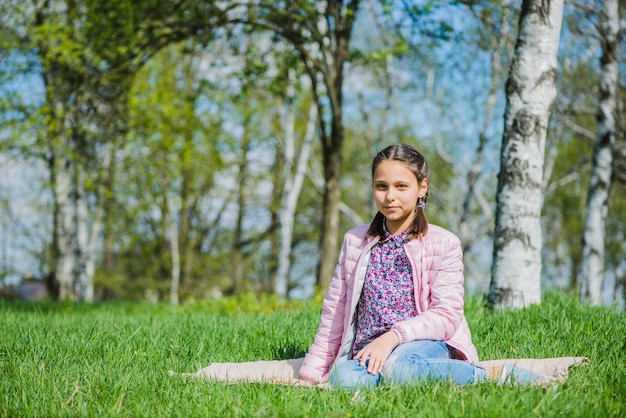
422, 188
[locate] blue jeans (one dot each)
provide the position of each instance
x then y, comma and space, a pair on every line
412, 362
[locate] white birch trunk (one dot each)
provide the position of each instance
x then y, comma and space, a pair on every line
174, 206
65, 261
531, 91
90, 260
291, 192
591, 271
86, 233
90, 248
78, 230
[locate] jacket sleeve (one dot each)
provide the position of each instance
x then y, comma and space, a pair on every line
445, 310
327, 340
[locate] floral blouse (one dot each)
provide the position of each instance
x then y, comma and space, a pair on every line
388, 292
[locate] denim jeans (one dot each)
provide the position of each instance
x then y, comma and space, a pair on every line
409, 363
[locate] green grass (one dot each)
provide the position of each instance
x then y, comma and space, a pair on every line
112, 359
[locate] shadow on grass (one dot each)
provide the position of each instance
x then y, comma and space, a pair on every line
289, 351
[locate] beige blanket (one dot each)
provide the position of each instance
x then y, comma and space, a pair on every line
552, 370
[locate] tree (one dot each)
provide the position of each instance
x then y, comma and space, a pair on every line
495, 38
88, 52
530, 91
169, 129
455, 67
320, 32
294, 171
592, 267
59, 37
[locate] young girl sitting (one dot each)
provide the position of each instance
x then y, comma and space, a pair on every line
394, 307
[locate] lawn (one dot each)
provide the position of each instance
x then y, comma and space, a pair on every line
112, 359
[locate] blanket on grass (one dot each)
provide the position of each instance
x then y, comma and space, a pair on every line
552, 370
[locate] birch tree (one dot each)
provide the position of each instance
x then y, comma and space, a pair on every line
172, 130
320, 32
59, 36
530, 91
591, 271
294, 171
87, 76
497, 39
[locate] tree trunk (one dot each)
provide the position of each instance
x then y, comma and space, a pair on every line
333, 162
291, 192
530, 91
64, 224
109, 217
60, 86
321, 34
333, 147
591, 271
238, 260
175, 280
470, 232
275, 206
89, 236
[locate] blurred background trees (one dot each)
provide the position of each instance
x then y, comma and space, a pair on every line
189, 149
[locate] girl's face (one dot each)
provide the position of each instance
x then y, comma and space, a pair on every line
396, 191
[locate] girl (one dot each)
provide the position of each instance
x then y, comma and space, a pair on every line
394, 307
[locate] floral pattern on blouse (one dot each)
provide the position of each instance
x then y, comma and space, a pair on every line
388, 293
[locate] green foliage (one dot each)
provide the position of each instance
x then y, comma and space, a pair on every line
129, 73
112, 359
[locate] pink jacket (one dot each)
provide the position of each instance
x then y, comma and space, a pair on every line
437, 264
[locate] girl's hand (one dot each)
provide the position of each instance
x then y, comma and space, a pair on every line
378, 351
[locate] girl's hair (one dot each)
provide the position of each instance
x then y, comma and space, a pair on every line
415, 162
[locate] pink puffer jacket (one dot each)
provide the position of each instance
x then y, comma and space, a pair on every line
437, 264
